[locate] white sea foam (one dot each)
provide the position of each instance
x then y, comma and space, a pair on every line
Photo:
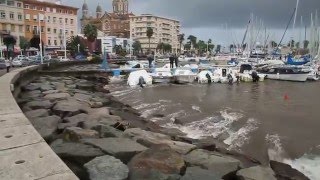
146, 105
239, 138
308, 164
122, 92
196, 108
146, 113
218, 125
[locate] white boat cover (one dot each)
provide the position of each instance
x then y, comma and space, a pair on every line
133, 79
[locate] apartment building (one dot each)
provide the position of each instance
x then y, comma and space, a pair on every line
12, 19
164, 31
51, 19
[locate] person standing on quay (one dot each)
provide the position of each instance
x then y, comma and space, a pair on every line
176, 59
171, 58
150, 59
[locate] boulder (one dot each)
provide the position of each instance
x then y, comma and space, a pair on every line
121, 148
50, 92
197, 173
285, 171
73, 121
59, 86
57, 96
39, 104
69, 108
81, 153
96, 104
173, 132
75, 134
46, 126
46, 87
107, 131
31, 94
218, 164
103, 100
37, 113
149, 139
107, 167
156, 163
32, 86
85, 85
82, 97
82, 91
209, 143
256, 173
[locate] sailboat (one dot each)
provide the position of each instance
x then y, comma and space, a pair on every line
297, 62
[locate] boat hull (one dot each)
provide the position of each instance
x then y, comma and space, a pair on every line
161, 79
302, 77
184, 79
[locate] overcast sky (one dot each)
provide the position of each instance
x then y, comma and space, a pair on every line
209, 18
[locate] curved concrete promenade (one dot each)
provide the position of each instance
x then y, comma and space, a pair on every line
24, 154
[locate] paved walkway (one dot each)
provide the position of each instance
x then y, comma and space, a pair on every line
4, 71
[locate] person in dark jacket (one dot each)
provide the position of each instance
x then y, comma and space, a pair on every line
176, 59
150, 59
171, 58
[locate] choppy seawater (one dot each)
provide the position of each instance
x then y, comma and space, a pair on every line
252, 118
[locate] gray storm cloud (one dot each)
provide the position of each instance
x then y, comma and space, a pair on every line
213, 13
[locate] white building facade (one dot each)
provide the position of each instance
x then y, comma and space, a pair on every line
164, 31
12, 19
108, 43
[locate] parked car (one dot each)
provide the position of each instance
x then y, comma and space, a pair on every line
3, 64
16, 62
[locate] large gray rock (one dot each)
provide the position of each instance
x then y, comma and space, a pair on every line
32, 86
219, 164
159, 162
108, 131
256, 173
59, 86
46, 126
197, 173
46, 87
107, 167
149, 139
286, 172
121, 148
31, 94
57, 96
75, 134
50, 92
39, 104
82, 97
81, 153
37, 113
73, 121
69, 108
85, 85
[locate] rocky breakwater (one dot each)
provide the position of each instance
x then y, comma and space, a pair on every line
99, 138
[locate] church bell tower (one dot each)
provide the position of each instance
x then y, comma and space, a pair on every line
120, 6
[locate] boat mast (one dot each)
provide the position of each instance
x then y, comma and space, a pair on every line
286, 28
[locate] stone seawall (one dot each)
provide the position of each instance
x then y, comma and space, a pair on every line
23, 152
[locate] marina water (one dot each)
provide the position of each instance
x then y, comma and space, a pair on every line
268, 120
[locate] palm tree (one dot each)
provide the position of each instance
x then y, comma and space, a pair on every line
193, 40
24, 44
167, 47
149, 34
160, 46
136, 46
9, 40
91, 32
181, 39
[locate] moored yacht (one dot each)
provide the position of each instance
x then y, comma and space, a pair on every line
184, 75
286, 73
